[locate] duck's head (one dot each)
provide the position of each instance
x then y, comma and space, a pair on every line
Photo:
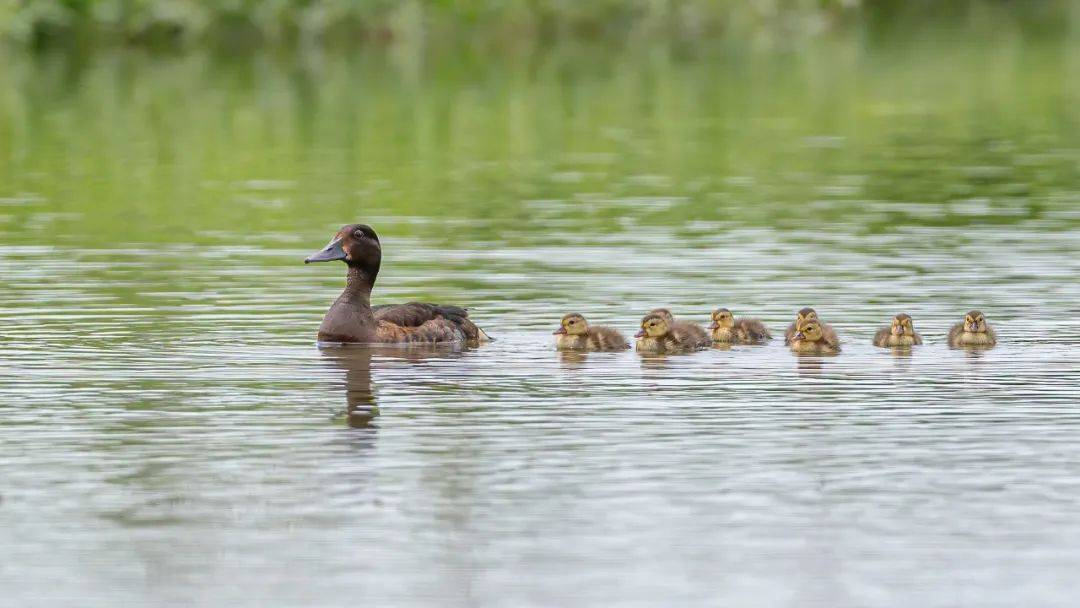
809, 330
805, 315
902, 325
722, 319
573, 324
975, 322
653, 326
663, 313
355, 244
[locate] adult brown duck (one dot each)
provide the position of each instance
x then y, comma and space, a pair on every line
352, 318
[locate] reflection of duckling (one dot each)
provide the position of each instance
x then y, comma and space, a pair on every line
689, 328
807, 314
659, 335
974, 331
901, 333
810, 339
575, 333
726, 329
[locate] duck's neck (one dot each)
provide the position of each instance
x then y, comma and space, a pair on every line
350, 318
358, 284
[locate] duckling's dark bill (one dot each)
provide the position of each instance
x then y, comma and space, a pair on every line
330, 253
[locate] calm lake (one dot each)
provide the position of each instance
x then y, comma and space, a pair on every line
171, 435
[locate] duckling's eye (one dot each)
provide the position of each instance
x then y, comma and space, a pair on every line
571, 322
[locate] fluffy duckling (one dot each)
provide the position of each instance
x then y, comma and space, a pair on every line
810, 339
807, 314
689, 328
726, 329
900, 334
659, 335
973, 331
575, 333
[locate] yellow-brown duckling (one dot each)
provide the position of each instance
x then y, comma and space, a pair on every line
810, 339
807, 314
726, 329
973, 331
575, 333
899, 335
660, 335
689, 328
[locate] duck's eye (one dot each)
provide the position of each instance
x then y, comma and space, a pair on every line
359, 234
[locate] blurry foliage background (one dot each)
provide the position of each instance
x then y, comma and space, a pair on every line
176, 23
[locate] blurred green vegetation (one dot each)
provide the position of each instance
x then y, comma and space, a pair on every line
232, 23
946, 129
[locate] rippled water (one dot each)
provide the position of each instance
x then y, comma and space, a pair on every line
170, 434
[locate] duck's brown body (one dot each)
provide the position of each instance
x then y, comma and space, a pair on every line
660, 335
819, 347
726, 329
901, 334
973, 331
804, 315
575, 333
886, 339
810, 339
686, 332
599, 338
826, 329
352, 318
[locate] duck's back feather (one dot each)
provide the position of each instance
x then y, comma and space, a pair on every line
606, 338
883, 337
423, 322
690, 335
752, 331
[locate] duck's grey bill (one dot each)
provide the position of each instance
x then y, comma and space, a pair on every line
331, 252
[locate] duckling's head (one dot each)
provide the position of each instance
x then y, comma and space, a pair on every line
722, 318
573, 324
809, 330
902, 325
975, 322
663, 313
357, 245
805, 314
653, 326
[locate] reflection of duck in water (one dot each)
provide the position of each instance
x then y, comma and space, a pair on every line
573, 359
810, 366
353, 319
355, 360
360, 404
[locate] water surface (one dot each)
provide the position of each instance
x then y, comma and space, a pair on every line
170, 434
